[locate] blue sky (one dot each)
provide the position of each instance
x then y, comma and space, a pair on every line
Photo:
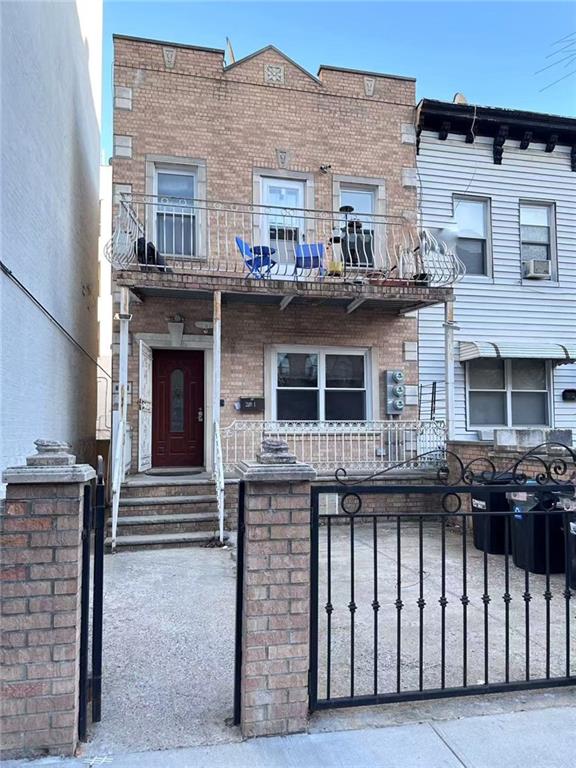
490, 51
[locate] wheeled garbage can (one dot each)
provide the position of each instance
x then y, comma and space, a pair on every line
490, 530
532, 516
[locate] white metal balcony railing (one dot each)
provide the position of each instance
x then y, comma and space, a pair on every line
357, 446
269, 242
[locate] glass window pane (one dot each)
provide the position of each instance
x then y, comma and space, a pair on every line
535, 234
175, 233
362, 200
177, 401
529, 374
473, 254
176, 186
297, 369
297, 404
529, 408
470, 216
535, 252
486, 374
345, 371
488, 408
534, 215
345, 406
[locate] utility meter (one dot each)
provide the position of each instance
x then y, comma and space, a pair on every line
395, 392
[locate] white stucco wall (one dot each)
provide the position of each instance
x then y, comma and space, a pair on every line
50, 94
104, 414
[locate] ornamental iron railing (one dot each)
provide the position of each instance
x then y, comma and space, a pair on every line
359, 446
461, 587
269, 242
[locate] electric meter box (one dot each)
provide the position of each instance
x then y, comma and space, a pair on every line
395, 392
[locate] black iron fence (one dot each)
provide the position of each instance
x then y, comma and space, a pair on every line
91, 597
444, 590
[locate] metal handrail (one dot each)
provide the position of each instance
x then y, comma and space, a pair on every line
297, 244
219, 480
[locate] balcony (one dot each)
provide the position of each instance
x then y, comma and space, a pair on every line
282, 251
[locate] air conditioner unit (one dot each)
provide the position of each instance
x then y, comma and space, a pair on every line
538, 269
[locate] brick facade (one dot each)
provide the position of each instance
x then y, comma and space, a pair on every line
235, 124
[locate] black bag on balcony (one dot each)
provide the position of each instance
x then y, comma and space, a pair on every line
149, 256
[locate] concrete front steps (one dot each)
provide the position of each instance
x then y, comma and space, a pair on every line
158, 512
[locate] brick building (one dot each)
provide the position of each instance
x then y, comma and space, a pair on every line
266, 255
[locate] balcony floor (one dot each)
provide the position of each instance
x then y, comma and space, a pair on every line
393, 297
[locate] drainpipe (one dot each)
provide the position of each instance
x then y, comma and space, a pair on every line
217, 355
449, 328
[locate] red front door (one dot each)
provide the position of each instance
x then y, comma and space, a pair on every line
178, 409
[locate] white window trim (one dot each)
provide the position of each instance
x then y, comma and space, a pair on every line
488, 224
370, 376
259, 175
551, 206
187, 166
508, 391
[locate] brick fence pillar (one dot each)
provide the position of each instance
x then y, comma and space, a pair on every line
276, 602
41, 526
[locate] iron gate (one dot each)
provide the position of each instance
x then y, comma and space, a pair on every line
90, 688
427, 591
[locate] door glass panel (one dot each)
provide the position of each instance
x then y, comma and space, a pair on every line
177, 401
529, 374
488, 408
345, 371
529, 408
297, 369
345, 405
297, 404
486, 374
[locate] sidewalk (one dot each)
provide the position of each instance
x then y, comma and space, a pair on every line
540, 738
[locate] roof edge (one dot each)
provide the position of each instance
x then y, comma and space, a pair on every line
280, 53
116, 36
365, 72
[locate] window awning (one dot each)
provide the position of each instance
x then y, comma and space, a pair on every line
561, 353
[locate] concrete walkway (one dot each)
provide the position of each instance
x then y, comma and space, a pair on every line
543, 739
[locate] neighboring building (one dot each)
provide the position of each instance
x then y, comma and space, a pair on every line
51, 73
507, 179
104, 406
251, 305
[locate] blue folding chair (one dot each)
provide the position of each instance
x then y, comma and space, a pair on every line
258, 259
309, 256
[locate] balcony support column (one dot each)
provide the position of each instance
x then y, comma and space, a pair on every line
124, 318
449, 328
217, 357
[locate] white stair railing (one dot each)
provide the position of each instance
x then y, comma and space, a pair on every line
219, 481
117, 475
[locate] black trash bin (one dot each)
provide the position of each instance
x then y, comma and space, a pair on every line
490, 530
529, 535
571, 517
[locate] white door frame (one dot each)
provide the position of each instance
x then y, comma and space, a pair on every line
190, 342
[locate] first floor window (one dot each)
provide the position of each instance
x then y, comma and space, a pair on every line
508, 393
320, 386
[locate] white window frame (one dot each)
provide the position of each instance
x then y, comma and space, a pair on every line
488, 227
508, 393
178, 170
551, 207
370, 383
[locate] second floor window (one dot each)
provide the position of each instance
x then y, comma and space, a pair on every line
472, 217
358, 226
175, 219
536, 231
